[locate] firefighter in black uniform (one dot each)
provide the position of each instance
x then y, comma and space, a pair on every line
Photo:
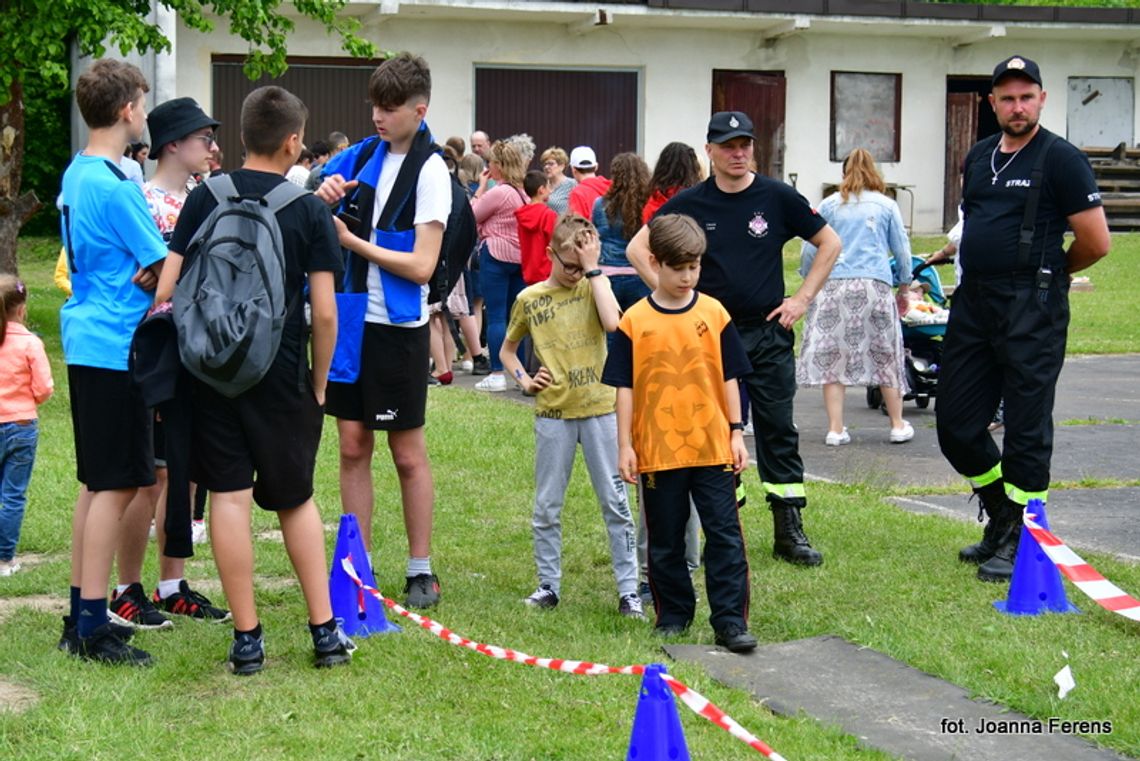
1010, 315
747, 219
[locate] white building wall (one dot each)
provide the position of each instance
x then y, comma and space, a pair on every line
1059, 59
676, 67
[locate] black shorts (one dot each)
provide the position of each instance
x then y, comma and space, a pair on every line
391, 393
159, 444
114, 443
265, 438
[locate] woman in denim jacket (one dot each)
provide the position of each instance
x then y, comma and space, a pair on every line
617, 215
852, 335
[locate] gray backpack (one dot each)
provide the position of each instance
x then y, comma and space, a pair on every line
229, 304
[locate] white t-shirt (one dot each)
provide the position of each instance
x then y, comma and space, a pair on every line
433, 204
132, 169
164, 207
298, 175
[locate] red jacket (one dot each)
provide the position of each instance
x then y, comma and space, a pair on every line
584, 194
536, 226
656, 201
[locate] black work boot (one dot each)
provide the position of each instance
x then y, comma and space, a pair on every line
991, 497
999, 568
789, 542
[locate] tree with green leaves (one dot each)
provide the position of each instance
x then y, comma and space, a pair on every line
39, 39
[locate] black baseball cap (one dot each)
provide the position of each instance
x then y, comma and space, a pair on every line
725, 125
174, 120
1017, 65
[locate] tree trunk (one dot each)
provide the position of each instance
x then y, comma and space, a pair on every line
15, 209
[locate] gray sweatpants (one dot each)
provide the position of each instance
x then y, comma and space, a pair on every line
555, 442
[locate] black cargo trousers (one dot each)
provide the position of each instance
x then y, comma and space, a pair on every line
1005, 340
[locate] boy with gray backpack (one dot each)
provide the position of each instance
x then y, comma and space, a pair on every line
245, 247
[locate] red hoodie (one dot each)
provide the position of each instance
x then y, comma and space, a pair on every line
656, 201
536, 226
584, 194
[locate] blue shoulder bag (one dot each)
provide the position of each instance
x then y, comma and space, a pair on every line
401, 296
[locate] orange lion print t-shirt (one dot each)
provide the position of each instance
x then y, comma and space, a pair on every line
676, 361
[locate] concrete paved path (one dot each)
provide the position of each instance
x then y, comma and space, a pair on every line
1104, 390
1097, 435
888, 705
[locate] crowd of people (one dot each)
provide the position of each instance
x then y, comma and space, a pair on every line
644, 309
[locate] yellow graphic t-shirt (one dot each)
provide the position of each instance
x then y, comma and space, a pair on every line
571, 343
677, 362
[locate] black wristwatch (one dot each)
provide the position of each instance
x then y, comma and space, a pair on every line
591, 273
736, 426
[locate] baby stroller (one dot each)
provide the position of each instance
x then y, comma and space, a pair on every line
922, 342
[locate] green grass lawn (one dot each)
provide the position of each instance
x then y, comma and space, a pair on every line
891, 581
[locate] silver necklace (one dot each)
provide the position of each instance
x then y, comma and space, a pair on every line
993, 157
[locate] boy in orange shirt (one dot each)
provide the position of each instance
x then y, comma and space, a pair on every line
675, 361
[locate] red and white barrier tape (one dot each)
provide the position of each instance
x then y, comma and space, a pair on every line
1086, 578
696, 702
701, 706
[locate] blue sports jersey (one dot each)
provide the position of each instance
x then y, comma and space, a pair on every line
110, 235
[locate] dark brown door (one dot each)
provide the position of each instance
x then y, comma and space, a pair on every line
334, 89
563, 107
961, 132
760, 94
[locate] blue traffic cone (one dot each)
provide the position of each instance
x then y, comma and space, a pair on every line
356, 621
657, 734
1036, 586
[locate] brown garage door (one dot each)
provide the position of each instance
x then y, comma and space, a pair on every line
334, 89
564, 107
760, 94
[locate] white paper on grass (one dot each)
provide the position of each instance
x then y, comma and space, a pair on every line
1064, 679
